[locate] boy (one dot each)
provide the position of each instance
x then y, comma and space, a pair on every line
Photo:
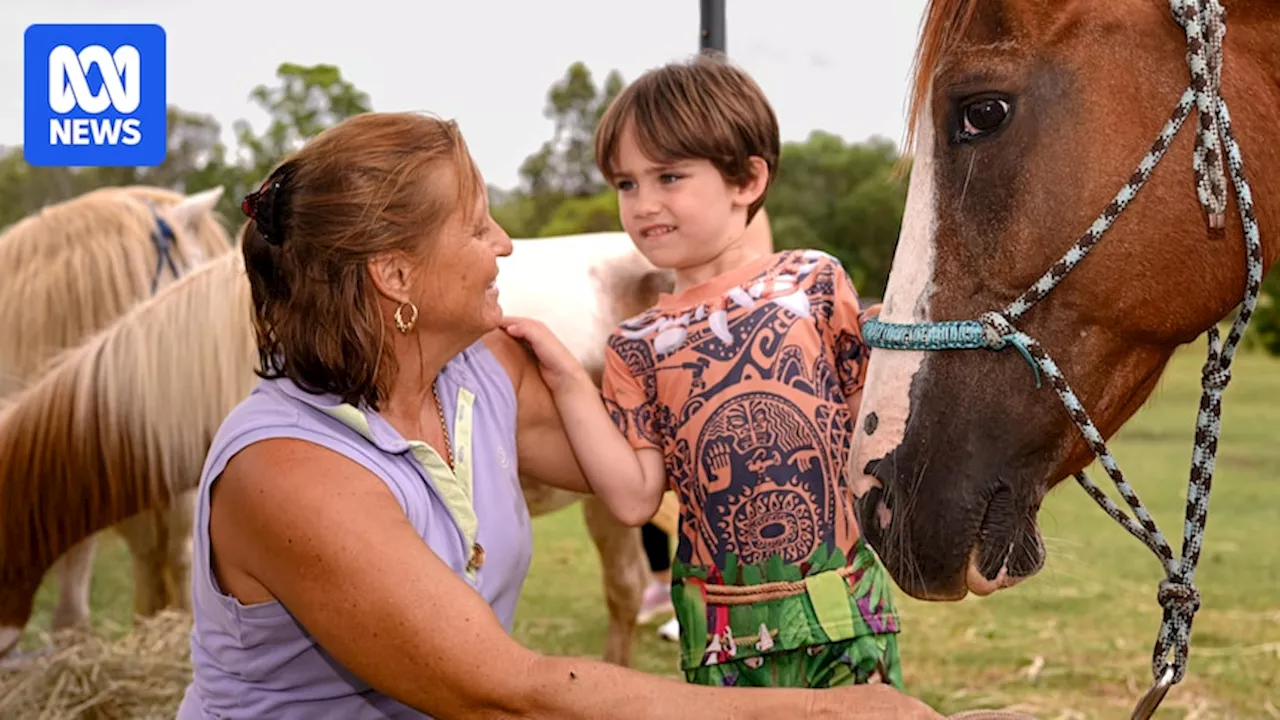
738, 390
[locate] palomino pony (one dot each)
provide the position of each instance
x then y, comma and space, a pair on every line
70, 270
121, 424
1028, 117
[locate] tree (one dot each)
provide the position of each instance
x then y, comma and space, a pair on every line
307, 101
563, 169
844, 198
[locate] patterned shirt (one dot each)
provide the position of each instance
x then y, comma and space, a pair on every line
748, 385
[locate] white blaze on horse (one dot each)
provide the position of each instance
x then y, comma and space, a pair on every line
70, 270
121, 424
1055, 252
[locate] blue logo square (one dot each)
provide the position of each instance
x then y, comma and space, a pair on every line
94, 95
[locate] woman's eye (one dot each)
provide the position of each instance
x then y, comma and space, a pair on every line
982, 117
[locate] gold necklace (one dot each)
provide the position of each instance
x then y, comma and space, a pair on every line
448, 444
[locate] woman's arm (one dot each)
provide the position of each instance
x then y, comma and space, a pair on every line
630, 481
325, 537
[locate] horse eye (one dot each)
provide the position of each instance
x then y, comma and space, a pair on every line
982, 117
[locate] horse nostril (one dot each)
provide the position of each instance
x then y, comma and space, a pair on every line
884, 515
870, 423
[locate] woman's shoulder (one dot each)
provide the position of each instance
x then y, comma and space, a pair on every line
498, 356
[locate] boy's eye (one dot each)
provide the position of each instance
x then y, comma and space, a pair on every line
625, 184
669, 177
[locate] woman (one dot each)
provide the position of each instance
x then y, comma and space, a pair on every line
361, 536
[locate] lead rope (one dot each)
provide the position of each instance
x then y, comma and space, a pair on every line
1205, 27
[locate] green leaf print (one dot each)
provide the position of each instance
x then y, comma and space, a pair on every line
863, 557
692, 611
730, 569
680, 571
864, 584
774, 569
840, 675
820, 559
794, 627
752, 575
879, 594
745, 620
837, 559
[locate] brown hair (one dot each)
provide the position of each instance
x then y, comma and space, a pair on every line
704, 108
375, 183
944, 25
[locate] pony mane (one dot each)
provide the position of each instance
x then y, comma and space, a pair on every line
103, 432
72, 268
944, 24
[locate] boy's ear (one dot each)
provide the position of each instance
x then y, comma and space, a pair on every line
751, 191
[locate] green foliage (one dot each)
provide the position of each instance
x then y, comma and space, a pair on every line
563, 172
844, 198
306, 101
593, 213
1264, 329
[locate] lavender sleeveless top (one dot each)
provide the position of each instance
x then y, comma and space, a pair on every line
257, 661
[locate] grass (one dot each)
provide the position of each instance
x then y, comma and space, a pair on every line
1073, 642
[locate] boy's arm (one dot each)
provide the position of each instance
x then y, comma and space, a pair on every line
629, 480
566, 436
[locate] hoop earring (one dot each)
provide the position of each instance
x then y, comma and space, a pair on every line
401, 325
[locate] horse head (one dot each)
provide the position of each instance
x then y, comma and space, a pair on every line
1027, 119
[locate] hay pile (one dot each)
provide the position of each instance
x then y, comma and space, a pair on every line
87, 676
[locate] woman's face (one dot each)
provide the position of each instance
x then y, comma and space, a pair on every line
459, 291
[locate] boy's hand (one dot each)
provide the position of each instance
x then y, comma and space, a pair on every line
560, 370
870, 312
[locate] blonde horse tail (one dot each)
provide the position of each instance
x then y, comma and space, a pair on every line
121, 423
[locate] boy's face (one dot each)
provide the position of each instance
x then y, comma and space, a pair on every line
681, 213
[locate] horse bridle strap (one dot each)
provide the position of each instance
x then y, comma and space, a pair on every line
162, 237
1205, 27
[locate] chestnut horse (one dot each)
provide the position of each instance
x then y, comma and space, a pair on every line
1027, 118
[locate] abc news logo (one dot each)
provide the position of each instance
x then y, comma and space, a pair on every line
95, 95
69, 89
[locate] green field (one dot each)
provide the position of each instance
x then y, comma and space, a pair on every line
1074, 642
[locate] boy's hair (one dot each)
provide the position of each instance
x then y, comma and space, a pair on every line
704, 108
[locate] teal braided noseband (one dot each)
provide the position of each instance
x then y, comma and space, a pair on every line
1204, 25
987, 333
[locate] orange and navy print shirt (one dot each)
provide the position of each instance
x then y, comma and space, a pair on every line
748, 385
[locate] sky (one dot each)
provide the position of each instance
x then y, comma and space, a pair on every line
836, 65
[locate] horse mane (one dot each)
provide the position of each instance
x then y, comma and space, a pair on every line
115, 424
72, 268
944, 24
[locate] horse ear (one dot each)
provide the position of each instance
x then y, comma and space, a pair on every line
193, 208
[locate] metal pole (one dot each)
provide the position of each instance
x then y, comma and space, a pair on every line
712, 36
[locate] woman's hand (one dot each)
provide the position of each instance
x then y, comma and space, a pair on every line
560, 370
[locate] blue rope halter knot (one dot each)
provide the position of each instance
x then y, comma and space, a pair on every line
991, 332
1204, 24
